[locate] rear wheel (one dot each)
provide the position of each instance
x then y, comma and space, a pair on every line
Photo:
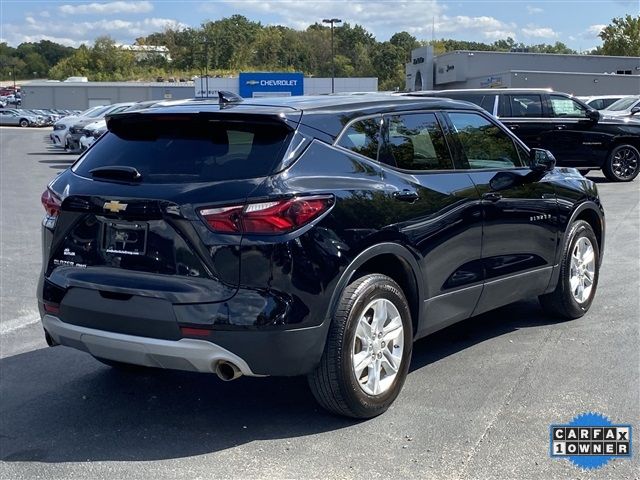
579, 270
24, 122
368, 350
623, 164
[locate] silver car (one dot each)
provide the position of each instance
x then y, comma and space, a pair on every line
11, 116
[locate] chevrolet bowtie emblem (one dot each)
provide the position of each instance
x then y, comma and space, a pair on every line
115, 206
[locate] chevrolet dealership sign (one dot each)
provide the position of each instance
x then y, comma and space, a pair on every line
271, 84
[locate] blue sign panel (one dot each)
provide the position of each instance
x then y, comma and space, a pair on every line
255, 84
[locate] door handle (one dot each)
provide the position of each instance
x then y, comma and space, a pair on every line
560, 127
406, 196
514, 127
491, 196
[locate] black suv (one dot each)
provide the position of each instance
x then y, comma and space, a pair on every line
314, 236
578, 135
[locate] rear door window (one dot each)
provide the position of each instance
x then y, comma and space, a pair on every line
416, 142
362, 137
526, 105
182, 149
484, 144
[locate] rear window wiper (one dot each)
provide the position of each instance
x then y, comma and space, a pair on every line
117, 173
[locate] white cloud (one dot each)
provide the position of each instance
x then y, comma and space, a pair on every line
593, 31
16, 39
74, 33
110, 8
539, 32
382, 18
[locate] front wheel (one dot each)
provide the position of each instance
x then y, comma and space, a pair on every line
368, 350
579, 271
24, 123
622, 164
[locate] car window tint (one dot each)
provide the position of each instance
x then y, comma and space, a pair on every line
186, 150
566, 107
484, 144
597, 104
488, 102
526, 106
416, 142
363, 137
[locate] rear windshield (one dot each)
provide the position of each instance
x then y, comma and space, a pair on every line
185, 150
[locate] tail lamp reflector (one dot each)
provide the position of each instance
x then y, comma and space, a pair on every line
51, 202
273, 217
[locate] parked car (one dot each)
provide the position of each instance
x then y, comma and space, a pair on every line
600, 102
628, 106
314, 236
11, 116
93, 131
61, 127
577, 135
77, 130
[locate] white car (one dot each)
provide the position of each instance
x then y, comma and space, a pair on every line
600, 102
62, 126
92, 132
627, 106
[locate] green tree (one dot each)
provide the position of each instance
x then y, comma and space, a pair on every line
621, 37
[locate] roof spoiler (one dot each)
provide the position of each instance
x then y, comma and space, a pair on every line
224, 96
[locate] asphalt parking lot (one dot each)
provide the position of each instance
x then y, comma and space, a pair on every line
477, 403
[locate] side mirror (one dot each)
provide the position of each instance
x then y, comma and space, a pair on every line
541, 160
593, 115
635, 110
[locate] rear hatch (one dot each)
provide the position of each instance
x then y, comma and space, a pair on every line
128, 221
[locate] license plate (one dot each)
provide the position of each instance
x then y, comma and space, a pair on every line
125, 238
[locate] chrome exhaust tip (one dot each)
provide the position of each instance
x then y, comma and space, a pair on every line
227, 371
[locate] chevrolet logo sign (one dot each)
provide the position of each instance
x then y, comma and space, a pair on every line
252, 82
115, 206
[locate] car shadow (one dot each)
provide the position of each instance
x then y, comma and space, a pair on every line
60, 405
49, 153
57, 161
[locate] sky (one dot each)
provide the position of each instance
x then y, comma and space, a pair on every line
573, 22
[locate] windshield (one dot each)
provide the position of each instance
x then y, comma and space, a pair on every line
623, 104
88, 111
98, 112
185, 149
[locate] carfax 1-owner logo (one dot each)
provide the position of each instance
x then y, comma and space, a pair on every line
590, 441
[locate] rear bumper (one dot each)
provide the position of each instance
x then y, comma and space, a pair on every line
278, 352
185, 354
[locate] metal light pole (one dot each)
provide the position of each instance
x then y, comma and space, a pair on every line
332, 21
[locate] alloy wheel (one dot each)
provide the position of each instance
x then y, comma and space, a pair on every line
625, 163
583, 270
378, 346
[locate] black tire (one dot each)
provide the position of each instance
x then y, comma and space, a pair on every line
24, 122
561, 302
334, 383
622, 164
122, 366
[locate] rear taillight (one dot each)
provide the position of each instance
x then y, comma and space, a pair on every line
51, 203
274, 217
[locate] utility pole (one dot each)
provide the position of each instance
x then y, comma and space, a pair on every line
332, 21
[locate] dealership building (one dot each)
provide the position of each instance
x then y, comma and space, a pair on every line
82, 95
576, 74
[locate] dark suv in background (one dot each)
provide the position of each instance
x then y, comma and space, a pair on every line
578, 136
314, 236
